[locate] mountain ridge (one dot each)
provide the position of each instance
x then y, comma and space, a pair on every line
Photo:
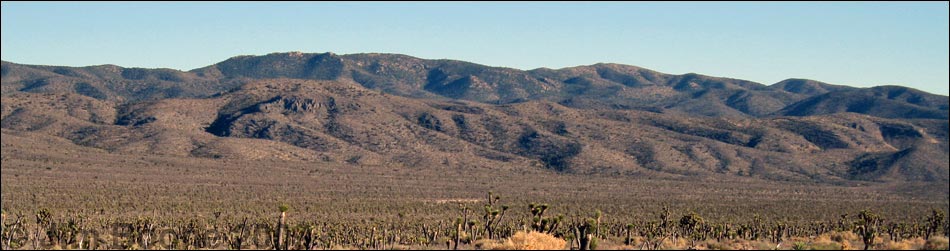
589, 86
402, 111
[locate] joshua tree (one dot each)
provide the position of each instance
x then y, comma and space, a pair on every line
539, 223
3, 229
597, 215
458, 232
309, 236
281, 224
44, 220
236, 241
756, 227
143, 228
537, 213
843, 223
934, 221
493, 216
657, 232
11, 233
779, 231
665, 220
867, 227
690, 224
460, 222
628, 240
473, 229
720, 231
585, 233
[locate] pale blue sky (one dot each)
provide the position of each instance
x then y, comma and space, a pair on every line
850, 43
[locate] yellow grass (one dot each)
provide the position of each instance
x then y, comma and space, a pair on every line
937, 243
825, 242
532, 241
907, 244
670, 244
842, 236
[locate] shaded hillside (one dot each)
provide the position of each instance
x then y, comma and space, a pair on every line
881, 101
806, 87
344, 122
109, 82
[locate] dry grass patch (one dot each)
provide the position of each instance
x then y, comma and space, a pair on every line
532, 241
937, 243
906, 244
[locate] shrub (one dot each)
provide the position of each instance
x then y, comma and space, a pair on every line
937, 243
800, 246
486, 244
827, 246
900, 245
533, 241
843, 236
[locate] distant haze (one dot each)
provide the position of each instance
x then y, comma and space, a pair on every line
853, 43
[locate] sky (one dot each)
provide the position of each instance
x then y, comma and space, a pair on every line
849, 43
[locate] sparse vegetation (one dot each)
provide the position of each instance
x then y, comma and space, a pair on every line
65, 231
160, 202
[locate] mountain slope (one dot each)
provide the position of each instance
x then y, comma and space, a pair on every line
400, 111
344, 122
881, 101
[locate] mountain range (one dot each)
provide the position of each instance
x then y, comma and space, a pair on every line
405, 112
